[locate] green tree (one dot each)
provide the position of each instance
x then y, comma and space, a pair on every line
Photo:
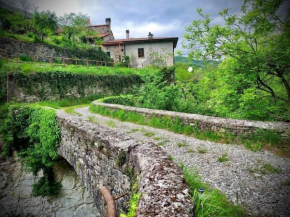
73, 24
45, 23
258, 41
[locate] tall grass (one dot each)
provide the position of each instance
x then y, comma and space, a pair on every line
211, 202
32, 67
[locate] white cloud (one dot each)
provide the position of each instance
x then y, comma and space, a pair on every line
59, 6
140, 30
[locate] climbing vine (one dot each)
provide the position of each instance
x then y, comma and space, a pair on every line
34, 133
61, 83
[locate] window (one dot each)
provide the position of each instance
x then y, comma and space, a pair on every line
109, 54
140, 52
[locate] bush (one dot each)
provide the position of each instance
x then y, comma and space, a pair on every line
30, 34
127, 100
34, 133
25, 58
36, 38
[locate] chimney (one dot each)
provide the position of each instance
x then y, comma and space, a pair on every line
150, 35
108, 21
127, 34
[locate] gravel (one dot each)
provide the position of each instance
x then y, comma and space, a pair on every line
242, 177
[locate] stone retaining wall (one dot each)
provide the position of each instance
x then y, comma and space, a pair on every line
103, 157
15, 47
209, 123
40, 90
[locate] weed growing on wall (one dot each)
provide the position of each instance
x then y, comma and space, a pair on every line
34, 133
254, 142
211, 202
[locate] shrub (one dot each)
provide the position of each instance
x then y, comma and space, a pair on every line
30, 34
35, 134
25, 58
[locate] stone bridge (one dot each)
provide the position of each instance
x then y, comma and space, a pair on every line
103, 157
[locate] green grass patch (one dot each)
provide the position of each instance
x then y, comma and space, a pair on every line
134, 201
162, 143
111, 123
68, 102
157, 138
212, 202
149, 134
182, 144
223, 158
190, 151
135, 130
35, 67
202, 150
270, 169
93, 120
71, 109
171, 157
265, 169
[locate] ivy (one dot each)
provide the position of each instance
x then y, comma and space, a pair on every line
34, 133
61, 83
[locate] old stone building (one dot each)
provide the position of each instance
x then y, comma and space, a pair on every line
140, 51
104, 31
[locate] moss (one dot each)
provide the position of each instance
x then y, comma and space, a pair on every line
121, 159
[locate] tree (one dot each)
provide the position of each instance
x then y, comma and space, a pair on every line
258, 40
73, 24
44, 22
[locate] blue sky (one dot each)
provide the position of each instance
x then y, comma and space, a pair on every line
164, 18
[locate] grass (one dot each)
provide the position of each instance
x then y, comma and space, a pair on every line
134, 201
253, 142
190, 151
212, 202
182, 144
111, 124
71, 109
33, 67
135, 130
223, 158
202, 150
93, 120
157, 138
265, 169
170, 157
68, 102
162, 143
149, 134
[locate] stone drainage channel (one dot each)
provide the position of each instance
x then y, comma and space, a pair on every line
240, 178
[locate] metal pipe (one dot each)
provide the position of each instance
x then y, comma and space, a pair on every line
111, 207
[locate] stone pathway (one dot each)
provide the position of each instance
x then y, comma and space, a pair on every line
260, 181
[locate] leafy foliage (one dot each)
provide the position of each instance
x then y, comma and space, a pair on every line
44, 22
35, 134
73, 24
255, 48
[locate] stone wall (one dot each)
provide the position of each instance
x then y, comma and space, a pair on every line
16, 187
209, 123
103, 157
16, 47
39, 90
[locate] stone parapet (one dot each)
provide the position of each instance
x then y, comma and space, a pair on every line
103, 157
209, 123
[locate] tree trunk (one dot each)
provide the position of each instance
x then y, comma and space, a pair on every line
285, 82
270, 90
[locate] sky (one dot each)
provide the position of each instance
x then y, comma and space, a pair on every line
163, 18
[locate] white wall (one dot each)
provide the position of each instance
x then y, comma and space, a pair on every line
163, 48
